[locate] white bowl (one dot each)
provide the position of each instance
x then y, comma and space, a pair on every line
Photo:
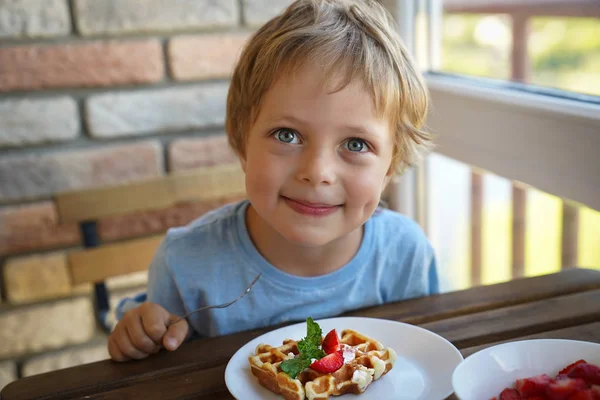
485, 374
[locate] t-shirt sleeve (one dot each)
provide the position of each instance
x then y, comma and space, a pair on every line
420, 275
408, 260
433, 277
161, 287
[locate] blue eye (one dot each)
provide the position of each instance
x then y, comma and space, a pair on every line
356, 145
286, 136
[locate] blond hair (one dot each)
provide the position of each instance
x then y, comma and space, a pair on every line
354, 37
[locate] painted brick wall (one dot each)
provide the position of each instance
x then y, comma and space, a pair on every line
95, 93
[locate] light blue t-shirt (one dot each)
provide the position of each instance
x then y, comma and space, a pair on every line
213, 259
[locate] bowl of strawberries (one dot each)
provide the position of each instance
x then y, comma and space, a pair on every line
540, 369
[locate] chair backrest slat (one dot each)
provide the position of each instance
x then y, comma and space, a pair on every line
114, 259
202, 184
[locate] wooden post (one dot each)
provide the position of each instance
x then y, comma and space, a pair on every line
520, 73
519, 203
570, 236
476, 218
3, 295
519, 56
422, 195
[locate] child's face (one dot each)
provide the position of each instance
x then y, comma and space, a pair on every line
316, 162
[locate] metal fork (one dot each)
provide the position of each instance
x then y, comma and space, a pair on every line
224, 305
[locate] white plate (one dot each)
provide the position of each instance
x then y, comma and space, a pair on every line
423, 370
486, 373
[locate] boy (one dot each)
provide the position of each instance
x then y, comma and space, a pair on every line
325, 106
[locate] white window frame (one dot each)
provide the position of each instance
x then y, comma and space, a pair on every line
550, 143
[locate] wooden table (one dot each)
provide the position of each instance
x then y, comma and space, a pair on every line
562, 305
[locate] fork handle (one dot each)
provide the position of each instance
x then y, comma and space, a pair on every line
188, 314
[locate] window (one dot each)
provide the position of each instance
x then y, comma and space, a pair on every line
553, 44
512, 188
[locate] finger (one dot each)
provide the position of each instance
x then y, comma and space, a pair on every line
155, 320
138, 336
176, 333
114, 351
127, 348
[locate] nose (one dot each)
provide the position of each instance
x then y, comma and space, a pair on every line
317, 167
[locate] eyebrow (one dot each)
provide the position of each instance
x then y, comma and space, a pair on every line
293, 119
357, 129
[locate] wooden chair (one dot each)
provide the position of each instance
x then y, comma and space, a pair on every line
96, 262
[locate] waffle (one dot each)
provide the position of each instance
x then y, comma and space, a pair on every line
371, 362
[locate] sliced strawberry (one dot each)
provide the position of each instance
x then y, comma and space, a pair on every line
544, 397
510, 394
331, 343
330, 363
583, 395
561, 389
568, 368
534, 386
588, 372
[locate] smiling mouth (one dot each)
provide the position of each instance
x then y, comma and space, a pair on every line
311, 209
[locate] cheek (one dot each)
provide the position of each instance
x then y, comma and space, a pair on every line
256, 178
262, 177
364, 187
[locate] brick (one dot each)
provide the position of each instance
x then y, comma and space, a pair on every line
34, 176
8, 373
34, 227
186, 154
37, 277
34, 121
46, 327
257, 12
149, 111
156, 221
65, 359
34, 18
80, 65
204, 57
95, 17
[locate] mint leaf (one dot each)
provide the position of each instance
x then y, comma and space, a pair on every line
309, 348
294, 366
313, 332
314, 353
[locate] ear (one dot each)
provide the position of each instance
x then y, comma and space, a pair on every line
242, 162
391, 173
386, 180
242, 158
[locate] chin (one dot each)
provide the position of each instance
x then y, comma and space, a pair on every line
306, 238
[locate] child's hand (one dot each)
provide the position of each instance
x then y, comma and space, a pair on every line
143, 330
